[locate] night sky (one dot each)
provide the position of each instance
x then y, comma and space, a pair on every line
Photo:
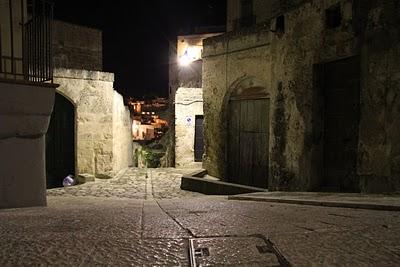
137, 33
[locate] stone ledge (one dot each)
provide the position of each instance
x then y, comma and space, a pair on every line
23, 125
231, 42
195, 182
60, 73
340, 200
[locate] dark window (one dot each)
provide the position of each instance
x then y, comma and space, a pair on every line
280, 24
246, 8
247, 19
333, 17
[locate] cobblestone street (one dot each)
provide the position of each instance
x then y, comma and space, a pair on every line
142, 218
132, 183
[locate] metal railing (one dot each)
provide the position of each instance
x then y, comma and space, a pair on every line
33, 62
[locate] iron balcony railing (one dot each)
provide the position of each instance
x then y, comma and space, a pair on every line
25, 47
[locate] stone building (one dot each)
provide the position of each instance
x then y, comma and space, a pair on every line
303, 95
90, 129
26, 102
76, 47
186, 94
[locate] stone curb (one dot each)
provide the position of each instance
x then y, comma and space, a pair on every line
324, 203
195, 183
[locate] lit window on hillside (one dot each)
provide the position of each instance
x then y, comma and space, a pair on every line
333, 17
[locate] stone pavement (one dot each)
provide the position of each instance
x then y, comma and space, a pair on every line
142, 218
109, 231
345, 200
133, 183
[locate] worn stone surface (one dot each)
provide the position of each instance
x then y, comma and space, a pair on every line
133, 183
102, 231
283, 64
188, 104
76, 47
379, 147
103, 137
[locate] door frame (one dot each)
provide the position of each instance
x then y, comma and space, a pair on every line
245, 87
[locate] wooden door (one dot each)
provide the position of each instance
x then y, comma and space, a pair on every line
248, 137
60, 142
342, 104
198, 139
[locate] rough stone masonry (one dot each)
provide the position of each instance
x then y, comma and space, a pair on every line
285, 62
103, 124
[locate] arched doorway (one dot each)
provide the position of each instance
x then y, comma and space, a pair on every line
60, 142
248, 137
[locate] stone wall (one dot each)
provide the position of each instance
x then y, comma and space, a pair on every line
283, 63
76, 47
103, 131
229, 60
379, 162
188, 104
122, 134
25, 110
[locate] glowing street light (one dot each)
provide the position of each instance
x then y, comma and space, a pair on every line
184, 60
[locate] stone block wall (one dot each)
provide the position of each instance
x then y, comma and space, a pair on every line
228, 60
76, 47
379, 147
284, 63
99, 132
188, 104
25, 110
122, 134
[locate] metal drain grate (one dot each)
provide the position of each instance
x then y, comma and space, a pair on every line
234, 251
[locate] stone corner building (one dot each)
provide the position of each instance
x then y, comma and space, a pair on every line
304, 95
90, 128
98, 120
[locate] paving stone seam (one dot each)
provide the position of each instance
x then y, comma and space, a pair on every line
175, 220
142, 222
149, 189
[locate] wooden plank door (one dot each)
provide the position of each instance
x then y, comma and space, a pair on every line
342, 104
248, 137
60, 142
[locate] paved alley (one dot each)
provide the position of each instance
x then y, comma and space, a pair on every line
142, 218
133, 183
100, 231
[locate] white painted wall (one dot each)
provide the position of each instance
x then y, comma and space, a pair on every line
188, 104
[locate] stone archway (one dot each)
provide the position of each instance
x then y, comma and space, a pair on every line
60, 142
247, 120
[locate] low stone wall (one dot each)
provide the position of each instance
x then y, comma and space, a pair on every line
25, 111
103, 131
188, 104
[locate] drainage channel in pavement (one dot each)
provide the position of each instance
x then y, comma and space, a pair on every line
235, 251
